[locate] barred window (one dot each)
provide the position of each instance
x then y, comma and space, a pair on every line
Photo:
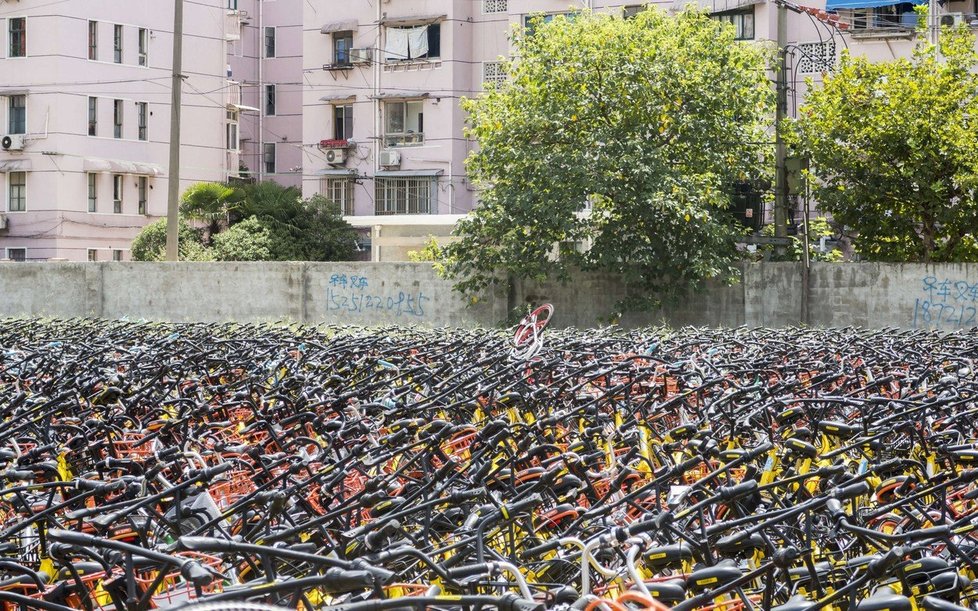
118, 185
117, 44
143, 194
93, 192
404, 195
92, 116
143, 47
814, 57
340, 191
17, 37
494, 72
17, 195
17, 115
742, 20
142, 112
92, 40
117, 118
495, 6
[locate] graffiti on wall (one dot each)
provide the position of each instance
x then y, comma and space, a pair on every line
946, 302
354, 293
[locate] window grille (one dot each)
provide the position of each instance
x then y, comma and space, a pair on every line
403, 195
815, 57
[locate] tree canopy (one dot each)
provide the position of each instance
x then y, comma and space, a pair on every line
623, 136
252, 222
894, 153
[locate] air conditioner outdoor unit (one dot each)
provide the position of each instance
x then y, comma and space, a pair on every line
952, 19
360, 56
12, 142
390, 159
335, 156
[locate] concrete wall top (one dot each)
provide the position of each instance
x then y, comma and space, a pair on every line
869, 295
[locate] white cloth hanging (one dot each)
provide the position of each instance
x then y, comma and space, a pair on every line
396, 48
418, 41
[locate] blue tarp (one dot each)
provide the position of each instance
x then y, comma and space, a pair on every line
835, 5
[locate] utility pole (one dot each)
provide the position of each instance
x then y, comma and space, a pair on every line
934, 24
781, 111
173, 182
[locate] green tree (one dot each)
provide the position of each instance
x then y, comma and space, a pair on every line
150, 243
310, 229
211, 203
818, 228
248, 240
253, 222
645, 121
893, 149
431, 252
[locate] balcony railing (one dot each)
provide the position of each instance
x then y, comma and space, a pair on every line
409, 139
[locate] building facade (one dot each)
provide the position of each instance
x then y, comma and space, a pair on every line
85, 116
382, 126
265, 68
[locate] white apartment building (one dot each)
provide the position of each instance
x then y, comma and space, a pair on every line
382, 123
85, 119
265, 68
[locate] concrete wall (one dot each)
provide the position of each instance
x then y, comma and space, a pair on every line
770, 295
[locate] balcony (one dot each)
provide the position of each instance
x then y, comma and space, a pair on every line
400, 140
334, 144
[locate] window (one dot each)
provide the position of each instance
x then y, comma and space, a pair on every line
232, 131
403, 195
404, 124
494, 72
117, 118
18, 37
92, 116
143, 47
232, 5
340, 191
815, 57
141, 113
117, 187
742, 21
17, 191
342, 43
892, 17
117, 255
530, 22
343, 122
93, 40
17, 254
92, 254
629, 12
495, 6
117, 44
269, 157
17, 117
143, 192
93, 192
269, 42
270, 100
406, 44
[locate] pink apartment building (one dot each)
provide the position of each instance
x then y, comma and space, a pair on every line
382, 123
265, 65
85, 116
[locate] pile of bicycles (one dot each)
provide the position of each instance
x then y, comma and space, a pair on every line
147, 466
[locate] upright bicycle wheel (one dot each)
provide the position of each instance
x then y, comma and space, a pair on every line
532, 325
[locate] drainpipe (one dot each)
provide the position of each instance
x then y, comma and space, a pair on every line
260, 156
451, 186
378, 133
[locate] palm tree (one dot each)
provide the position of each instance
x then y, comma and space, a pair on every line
213, 203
